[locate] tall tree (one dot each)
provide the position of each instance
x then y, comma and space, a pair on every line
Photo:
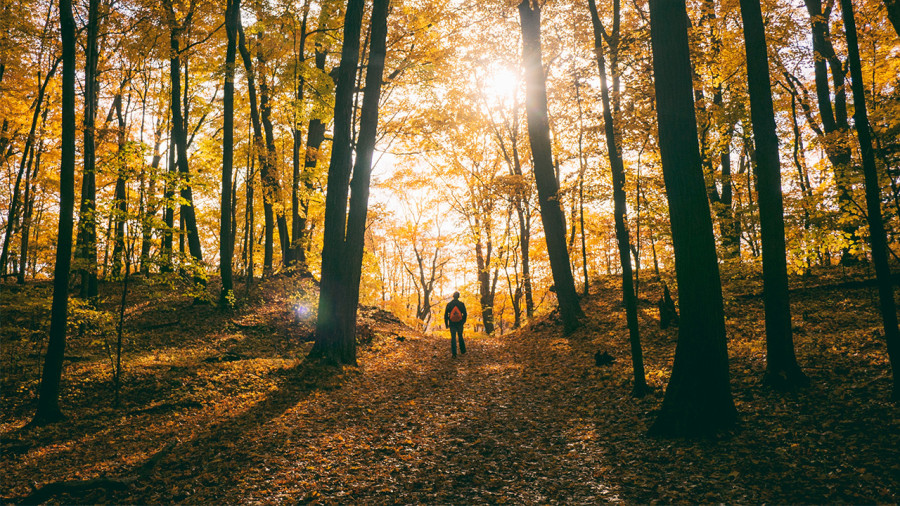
259, 146
873, 200
179, 132
833, 115
618, 176
48, 397
544, 174
698, 397
120, 200
269, 173
86, 244
226, 239
782, 370
342, 251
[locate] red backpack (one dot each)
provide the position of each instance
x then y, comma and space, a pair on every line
456, 315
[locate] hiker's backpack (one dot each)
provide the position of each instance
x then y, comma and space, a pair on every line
456, 315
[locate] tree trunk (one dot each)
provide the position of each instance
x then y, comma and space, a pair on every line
249, 221
260, 147
48, 397
336, 333
619, 202
873, 201
120, 204
545, 177
29, 207
179, 134
226, 239
483, 260
834, 117
86, 244
169, 210
152, 205
270, 171
335, 336
782, 370
698, 397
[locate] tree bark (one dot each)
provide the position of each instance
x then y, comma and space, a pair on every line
270, 171
617, 168
335, 335
698, 397
179, 134
48, 410
152, 205
782, 370
86, 244
120, 204
834, 116
260, 147
545, 177
342, 262
226, 239
873, 201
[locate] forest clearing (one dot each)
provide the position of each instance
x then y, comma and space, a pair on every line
228, 411
242, 239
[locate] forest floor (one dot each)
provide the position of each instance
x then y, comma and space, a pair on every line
222, 408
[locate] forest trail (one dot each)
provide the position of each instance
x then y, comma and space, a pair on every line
222, 409
416, 425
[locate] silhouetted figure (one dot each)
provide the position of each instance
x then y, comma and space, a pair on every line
455, 318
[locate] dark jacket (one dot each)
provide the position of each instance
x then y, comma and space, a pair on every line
462, 308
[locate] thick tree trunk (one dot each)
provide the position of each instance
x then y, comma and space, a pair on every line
335, 336
336, 333
226, 239
873, 201
545, 177
698, 397
782, 370
619, 203
48, 397
365, 148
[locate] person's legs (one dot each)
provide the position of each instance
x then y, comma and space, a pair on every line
453, 332
462, 344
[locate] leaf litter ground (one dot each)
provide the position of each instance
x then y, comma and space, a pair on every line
222, 409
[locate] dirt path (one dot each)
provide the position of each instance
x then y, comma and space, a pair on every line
412, 425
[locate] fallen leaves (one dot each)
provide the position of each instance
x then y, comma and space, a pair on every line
523, 418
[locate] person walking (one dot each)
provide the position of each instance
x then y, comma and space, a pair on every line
455, 318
